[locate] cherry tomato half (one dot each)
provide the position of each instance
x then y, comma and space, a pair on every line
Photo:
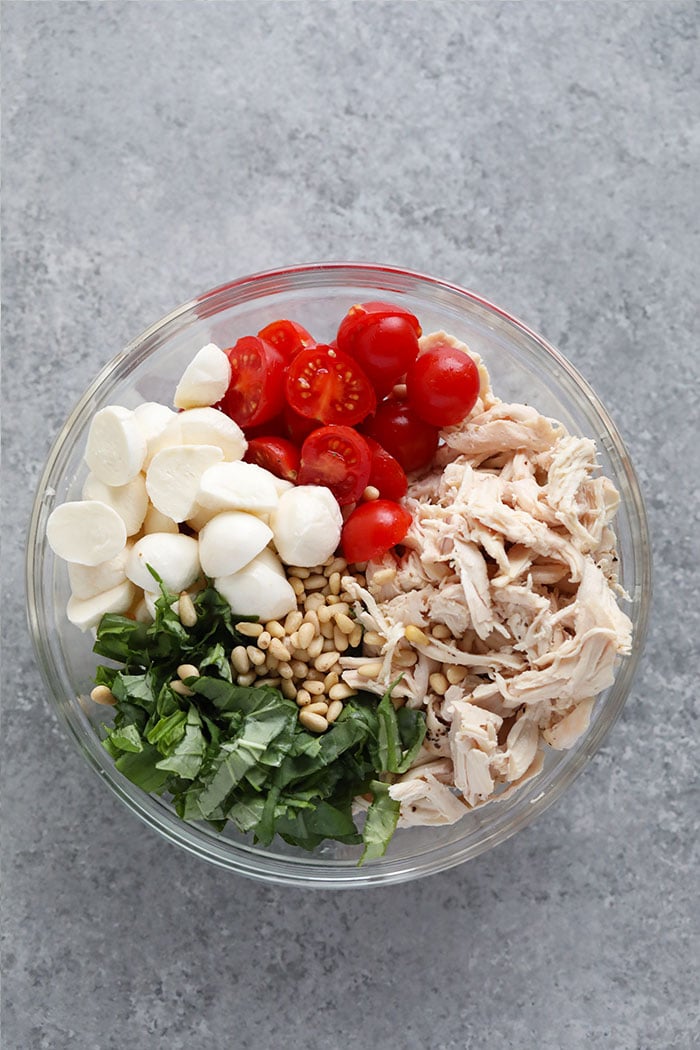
373, 528
256, 391
275, 454
287, 336
337, 457
403, 434
322, 383
298, 427
386, 474
273, 427
443, 385
383, 338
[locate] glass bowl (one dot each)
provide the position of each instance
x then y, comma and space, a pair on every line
523, 367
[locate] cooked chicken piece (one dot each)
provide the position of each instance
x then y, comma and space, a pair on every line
501, 428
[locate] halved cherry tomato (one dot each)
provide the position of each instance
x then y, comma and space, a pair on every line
386, 474
443, 385
298, 427
362, 313
287, 336
337, 457
273, 427
403, 434
322, 383
373, 528
275, 454
383, 338
256, 391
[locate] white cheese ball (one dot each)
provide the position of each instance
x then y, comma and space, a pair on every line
260, 589
174, 557
306, 525
87, 612
205, 380
173, 478
230, 540
130, 501
86, 531
116, 446
204, 426
238, 486
153, 418
86, 581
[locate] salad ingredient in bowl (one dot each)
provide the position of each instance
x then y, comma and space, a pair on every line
344, 587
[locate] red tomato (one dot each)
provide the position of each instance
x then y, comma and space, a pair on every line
373, 528
443, 385
403, 434
287, 336
274, 427
256, 391
324, 384
383, 338
275, 454
386, 474
337, 457
298, 427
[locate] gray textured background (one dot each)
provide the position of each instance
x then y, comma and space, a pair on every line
544, 155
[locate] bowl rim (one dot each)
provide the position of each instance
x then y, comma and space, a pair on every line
321, 872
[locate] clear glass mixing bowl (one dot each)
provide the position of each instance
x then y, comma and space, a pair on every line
523, 368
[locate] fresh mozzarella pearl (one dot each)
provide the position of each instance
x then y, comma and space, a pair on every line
86, 581
153, 418
130, 501
306, 525
231, 540
204, 426
174, 558
87, 612
260, 589
173, 478
157, 522
238, 486
205, 380
86, 531
116, 447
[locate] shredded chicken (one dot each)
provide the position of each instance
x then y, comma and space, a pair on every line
500, 615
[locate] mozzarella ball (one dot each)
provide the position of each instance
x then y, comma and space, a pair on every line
130, 501
86, 581
260, 589
306, 525
116, 447
205, 380
173, 478
231, 540
238, 486
87, 612
174, 558
86, 531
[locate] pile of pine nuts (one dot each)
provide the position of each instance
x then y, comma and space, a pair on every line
300, 655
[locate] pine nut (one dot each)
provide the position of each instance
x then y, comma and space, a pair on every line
272, 682
102, 694
341, 607
438, 683
416, 636
180, 688
356, 637
338, 565
371, 493
186, 610
313, 722
327, 629
334, 709
344, 623
406, 658
293, 621
311, 616
271, 663
369, 670
275, 629
318, 708
297, 585
299, 571
325, 613
187, 671
303, 697
341, 691
325, 661
300, 668
316, 647
383, 576
293, 640
334, 583
246, 679
315, 676
264, 640
315, 582
285, 670
455, 675
374, 638
328, 644
239, 660
314, 687
340, 641
250, 630
305, 635
289, 690
441, 631
279, 651
314, 602
332, 599
256, 657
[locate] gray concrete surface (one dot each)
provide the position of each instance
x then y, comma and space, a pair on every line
543, 154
